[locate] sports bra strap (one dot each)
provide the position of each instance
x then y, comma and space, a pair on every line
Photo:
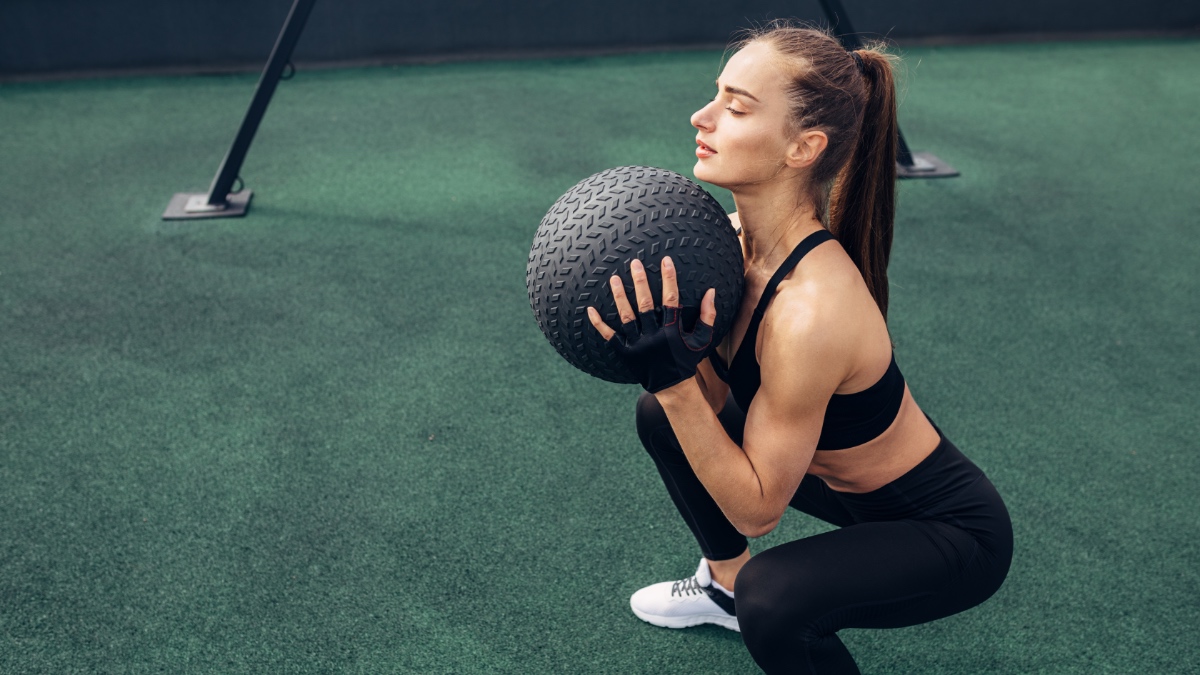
810, 242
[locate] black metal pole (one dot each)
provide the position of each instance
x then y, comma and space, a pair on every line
849, 38
840, 21
906, 165
218, 202
280, 56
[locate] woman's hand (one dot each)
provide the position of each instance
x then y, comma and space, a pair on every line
652, 343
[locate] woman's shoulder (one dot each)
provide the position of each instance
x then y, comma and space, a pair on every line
805, 351
823, 307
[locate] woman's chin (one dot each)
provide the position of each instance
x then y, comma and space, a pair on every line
703, 172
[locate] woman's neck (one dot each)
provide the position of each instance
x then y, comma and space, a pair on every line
773, 223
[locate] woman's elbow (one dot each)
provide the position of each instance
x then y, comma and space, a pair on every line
758, 528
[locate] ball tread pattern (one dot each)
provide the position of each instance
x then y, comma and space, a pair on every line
601, 225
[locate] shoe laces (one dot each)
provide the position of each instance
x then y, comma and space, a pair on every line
687, 586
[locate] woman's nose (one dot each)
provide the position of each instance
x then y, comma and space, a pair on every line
700, 119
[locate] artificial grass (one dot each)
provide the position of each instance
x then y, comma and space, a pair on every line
329, 437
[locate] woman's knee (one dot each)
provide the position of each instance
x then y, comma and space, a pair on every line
653, 427
757, 600
772, 604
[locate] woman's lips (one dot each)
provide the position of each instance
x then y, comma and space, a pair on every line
703, 151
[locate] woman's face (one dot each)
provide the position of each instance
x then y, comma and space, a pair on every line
742, 133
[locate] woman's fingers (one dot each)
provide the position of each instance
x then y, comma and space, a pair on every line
708, 307
618, 291
670, 285
645, 301
641, 286
605, 331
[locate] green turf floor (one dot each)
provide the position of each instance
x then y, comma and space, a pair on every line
329, 437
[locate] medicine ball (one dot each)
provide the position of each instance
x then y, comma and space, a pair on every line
598, 227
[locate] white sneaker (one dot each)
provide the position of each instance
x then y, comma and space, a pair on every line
688, 602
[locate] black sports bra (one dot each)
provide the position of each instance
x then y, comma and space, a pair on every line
850, 419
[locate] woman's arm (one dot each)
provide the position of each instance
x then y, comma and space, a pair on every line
801, 368
804, 359
714, 388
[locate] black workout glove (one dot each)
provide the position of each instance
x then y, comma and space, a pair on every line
657, 351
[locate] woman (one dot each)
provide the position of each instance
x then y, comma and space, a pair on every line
803, 404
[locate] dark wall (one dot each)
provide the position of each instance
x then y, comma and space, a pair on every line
51, 36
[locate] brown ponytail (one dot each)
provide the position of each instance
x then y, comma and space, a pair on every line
852, 185
862, 205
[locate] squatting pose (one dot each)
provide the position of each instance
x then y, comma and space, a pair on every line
803, 404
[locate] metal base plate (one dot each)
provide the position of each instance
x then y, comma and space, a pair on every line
925, 165
190, 205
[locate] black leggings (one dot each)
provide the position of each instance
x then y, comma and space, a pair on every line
932, 543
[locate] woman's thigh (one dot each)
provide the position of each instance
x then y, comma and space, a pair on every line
818, 500
871, 575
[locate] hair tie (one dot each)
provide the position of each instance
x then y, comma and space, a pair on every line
859, 62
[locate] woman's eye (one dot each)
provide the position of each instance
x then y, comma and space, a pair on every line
738, 113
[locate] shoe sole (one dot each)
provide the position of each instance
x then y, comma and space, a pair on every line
725, 621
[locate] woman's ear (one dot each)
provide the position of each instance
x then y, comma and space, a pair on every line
805, 150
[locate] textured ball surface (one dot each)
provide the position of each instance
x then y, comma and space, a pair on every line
598, 227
